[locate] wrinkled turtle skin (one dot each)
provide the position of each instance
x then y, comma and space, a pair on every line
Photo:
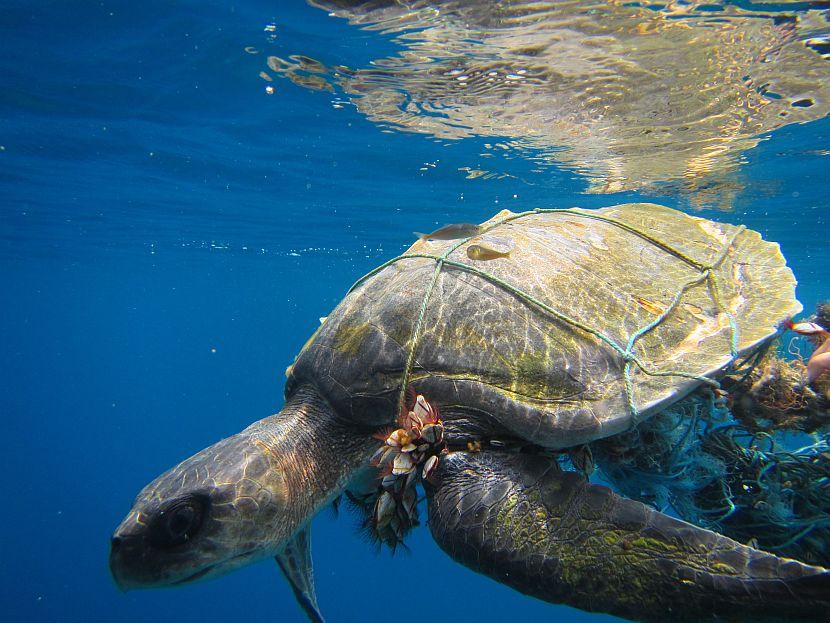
506, 372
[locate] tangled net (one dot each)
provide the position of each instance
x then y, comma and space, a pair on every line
775, 498
772, 396
725, 462
661, 462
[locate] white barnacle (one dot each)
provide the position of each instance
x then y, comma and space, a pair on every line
403, 464
429, 467
384, 456
432, 433
422, 408
384, 509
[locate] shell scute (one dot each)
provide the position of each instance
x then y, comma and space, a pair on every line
485, 348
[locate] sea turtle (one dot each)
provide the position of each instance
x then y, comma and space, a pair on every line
594, 321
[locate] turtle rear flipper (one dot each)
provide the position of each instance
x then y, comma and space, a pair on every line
522, 521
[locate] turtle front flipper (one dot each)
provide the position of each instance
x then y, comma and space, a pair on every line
295, 562
522, 521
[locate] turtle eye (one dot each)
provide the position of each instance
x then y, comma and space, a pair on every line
177, 522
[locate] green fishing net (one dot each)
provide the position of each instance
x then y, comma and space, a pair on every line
753, 463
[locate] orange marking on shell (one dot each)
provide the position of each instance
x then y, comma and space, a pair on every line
650, 306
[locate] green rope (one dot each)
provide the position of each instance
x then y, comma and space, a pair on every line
628, 356
629, 383
417, 334
706, 275
637, 232
529, 298
713, 284
513, 217
626, 353
785, 505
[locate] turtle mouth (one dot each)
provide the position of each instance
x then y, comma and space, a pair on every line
206, 571
137, 572
195, 576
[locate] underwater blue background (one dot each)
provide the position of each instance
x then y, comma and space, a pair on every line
169, 237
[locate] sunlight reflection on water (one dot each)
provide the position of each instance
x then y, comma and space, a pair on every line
634, 97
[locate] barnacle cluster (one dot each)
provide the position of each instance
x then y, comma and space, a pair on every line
408, 454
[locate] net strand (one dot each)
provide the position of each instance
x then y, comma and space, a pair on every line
627, 354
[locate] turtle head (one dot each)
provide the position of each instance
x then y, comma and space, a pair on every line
238, 501
217, 510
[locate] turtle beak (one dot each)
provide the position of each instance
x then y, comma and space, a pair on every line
135, 563
117, 546
129, 558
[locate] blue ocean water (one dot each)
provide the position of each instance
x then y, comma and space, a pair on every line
170, 234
